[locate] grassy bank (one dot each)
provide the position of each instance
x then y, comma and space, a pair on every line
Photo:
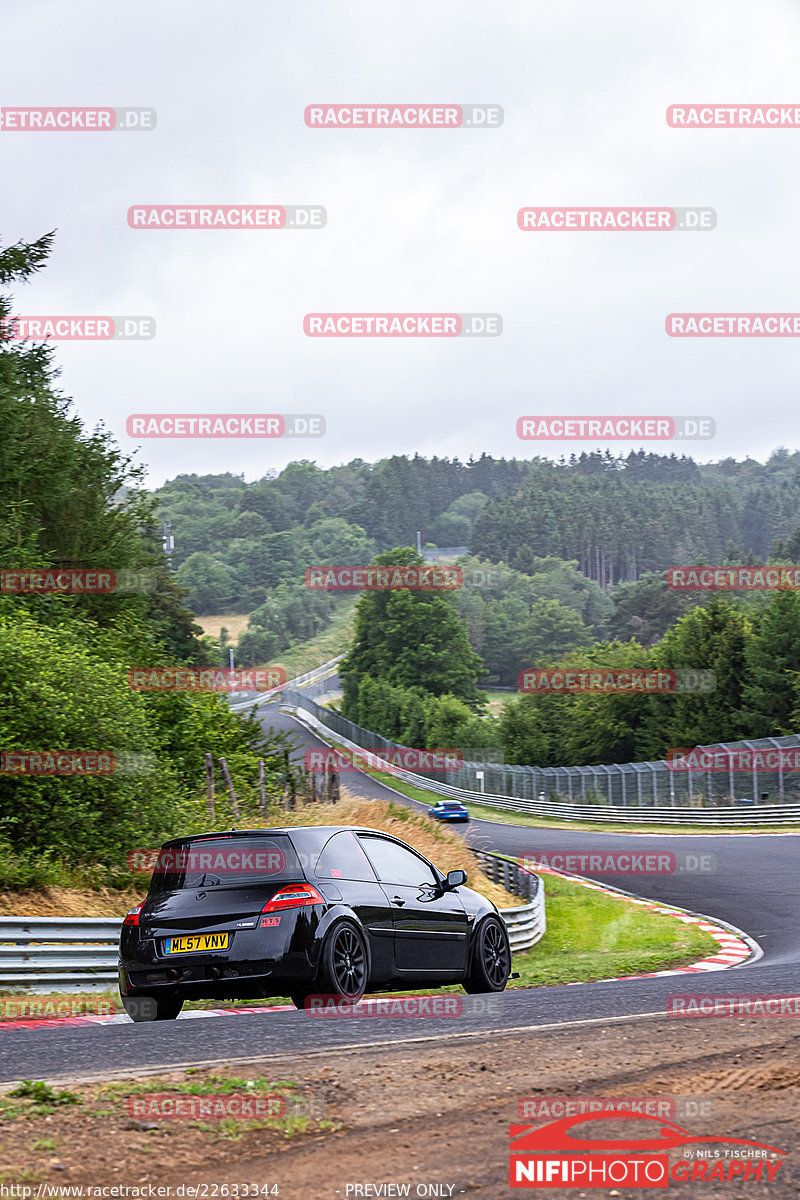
332, 641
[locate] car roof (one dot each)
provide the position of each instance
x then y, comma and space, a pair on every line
312, 831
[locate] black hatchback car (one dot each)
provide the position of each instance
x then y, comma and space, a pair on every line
336, 910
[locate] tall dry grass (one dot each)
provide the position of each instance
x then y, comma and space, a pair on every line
438, 843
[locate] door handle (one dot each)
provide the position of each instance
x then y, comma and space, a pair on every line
398, 901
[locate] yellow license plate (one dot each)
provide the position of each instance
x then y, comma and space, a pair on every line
195, 942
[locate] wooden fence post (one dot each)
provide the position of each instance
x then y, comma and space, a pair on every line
210, 787
262, 787
333, 787
229, 785
288, 783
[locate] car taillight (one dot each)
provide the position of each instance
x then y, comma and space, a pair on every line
293, 895
133, 915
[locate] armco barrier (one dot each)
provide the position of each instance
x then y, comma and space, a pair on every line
59, 954
633, 789
313, 682
80, 954
527, 924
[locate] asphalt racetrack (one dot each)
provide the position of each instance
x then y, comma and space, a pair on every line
752, 885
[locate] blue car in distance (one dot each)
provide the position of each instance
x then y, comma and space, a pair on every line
449, 810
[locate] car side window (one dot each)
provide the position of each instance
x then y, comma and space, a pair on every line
343, 858
396, 864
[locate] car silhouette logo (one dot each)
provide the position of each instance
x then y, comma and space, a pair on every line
556, 1136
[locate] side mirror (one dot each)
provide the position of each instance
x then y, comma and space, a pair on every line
455, 879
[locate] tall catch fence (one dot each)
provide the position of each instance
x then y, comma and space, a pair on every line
731, 783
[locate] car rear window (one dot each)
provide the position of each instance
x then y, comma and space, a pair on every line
213, 862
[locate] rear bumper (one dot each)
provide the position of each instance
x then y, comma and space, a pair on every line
215, 979
257, 962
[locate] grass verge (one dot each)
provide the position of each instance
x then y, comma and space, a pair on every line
595, 936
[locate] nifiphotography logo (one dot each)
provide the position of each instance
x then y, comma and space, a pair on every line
553, 1157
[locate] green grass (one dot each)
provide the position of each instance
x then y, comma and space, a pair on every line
34, 871
43, 1100
594, 936
210, 1084
334, 640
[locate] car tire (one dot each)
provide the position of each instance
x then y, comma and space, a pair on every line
491, 959
152, 1008
343, 967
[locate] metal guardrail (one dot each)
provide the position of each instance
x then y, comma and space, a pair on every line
320, 672
79, 954
59, 954
527, 924
338, 729
309, 680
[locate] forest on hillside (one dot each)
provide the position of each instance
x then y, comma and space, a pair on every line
566, 552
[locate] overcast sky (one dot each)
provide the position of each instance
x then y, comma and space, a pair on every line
418, 220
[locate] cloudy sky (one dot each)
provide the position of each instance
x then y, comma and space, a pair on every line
417, 220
